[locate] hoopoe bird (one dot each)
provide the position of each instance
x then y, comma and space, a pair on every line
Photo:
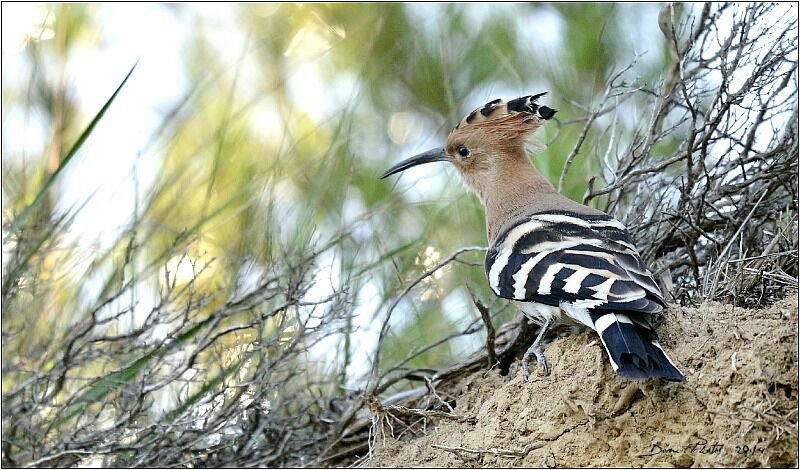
561, 262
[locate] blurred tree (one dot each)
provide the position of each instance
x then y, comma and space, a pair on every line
229, 193
263, 255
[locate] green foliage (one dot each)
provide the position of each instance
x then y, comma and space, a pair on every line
212, 158
234, 189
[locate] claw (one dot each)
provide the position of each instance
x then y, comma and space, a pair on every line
535, 351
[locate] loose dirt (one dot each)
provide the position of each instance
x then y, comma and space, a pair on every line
738, 406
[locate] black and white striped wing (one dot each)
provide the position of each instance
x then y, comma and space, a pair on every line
553, 257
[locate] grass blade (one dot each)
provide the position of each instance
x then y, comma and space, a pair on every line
70, 154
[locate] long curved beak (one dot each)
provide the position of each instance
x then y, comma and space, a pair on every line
432, 155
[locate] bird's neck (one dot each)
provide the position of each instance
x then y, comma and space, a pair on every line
513, 190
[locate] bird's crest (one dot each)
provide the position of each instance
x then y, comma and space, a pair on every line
498, 111
501, 123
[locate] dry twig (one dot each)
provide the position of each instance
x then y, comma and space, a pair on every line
492, 451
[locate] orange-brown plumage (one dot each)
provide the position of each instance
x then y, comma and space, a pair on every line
498, 169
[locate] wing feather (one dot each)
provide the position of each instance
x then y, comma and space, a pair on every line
556, 256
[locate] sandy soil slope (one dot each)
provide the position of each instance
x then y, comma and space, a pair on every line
738, 406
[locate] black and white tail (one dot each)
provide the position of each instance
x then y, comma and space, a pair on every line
633, 348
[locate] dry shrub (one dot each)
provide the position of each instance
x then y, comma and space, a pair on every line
708, 184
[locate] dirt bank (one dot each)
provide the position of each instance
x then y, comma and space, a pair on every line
738, 406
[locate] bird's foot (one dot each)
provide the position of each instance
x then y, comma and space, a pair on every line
536, 351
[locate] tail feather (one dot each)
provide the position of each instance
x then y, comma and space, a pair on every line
633, 348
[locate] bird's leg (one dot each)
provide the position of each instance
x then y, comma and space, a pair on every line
536, 350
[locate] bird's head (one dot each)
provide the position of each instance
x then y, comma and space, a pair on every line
488, 138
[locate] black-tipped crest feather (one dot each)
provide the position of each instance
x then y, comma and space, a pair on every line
497, 109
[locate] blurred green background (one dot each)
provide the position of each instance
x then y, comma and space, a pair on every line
249, 131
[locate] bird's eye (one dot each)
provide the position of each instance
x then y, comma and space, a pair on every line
463, 151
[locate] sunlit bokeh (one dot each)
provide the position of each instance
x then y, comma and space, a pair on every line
246, 133
222, 204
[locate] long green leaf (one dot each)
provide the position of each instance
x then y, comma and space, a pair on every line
70, 154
